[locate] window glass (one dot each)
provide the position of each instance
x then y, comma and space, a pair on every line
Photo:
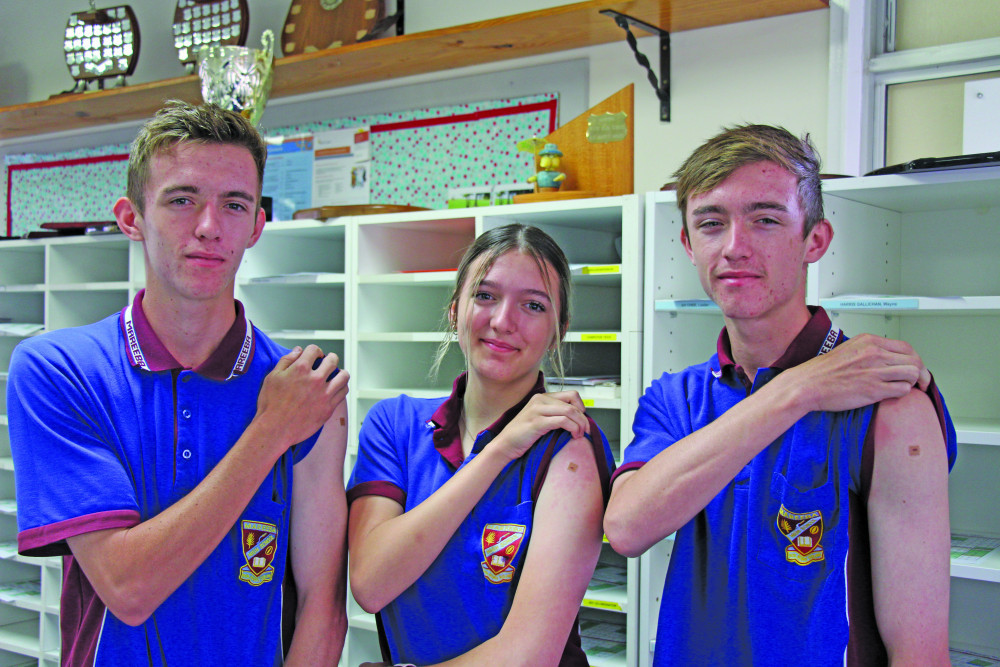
924, 118
921, 23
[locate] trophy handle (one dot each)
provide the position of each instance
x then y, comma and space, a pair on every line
267, 39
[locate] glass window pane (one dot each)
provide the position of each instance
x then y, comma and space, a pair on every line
921, 23
924, 118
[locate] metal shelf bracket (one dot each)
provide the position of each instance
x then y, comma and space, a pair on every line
662, 85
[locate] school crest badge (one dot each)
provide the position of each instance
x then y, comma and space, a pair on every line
500, 543
804, 532
260, 542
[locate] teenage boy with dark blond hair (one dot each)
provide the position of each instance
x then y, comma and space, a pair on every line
804, 474
170, 451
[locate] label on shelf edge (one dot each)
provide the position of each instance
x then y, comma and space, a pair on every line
603, 268
602, 604
598, 337
872, 303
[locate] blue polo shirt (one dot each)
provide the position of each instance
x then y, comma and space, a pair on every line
409, 448
108, 430
776, 569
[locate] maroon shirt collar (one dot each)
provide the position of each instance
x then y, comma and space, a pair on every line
448, 440
807, 343
146, 351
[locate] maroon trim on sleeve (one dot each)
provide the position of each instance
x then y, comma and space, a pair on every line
543, 466
625, 467
868, 458
935, 395
864, 643
573, 655
81, 616
50, 540
377, 488
596, 446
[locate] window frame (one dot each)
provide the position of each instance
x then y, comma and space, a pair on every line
863, 65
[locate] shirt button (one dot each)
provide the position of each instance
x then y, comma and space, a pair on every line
186, 453
185, 378
186, 413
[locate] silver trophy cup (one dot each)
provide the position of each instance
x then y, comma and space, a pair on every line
238, 77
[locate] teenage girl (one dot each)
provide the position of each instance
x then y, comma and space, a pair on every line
475, 519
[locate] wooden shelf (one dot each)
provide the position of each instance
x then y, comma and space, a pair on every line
532, 33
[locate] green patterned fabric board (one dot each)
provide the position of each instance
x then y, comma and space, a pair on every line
412, 165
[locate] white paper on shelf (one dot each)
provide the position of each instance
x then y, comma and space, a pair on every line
612, 574
960, 658
13, 591
8, 549
299, 277
603, 630
598, 648
19, 328
585, 380
972, 548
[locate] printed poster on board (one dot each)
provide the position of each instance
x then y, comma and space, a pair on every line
341, 167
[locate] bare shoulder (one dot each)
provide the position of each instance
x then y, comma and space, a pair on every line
575, 462
903, 425
570, 502
572, 486
326, 458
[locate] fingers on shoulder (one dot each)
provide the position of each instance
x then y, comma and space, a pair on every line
289, 357
880, 343
339, 382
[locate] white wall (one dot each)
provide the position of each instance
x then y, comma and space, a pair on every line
766, 71
771, 70
32, 66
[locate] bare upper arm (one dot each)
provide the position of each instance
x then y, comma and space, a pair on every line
366, 513
910, 452
562, 554
325, 461
619, 483
96, 552
905, 426
909, 529
319, 505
